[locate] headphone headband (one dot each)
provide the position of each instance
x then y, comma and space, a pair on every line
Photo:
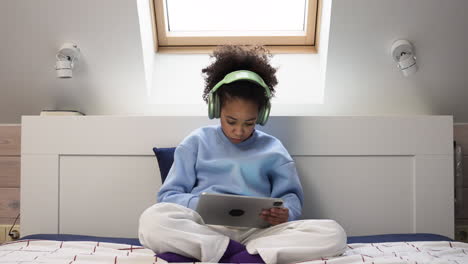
243, 75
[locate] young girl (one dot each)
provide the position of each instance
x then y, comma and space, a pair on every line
234, 158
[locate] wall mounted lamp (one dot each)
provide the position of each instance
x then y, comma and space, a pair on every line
67, 56
403, 54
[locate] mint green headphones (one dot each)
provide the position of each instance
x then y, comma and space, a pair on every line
214, 105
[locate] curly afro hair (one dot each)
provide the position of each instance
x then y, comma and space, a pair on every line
231, 58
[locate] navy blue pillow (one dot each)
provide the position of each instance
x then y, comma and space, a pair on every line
165, 158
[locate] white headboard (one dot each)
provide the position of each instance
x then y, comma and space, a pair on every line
94, 175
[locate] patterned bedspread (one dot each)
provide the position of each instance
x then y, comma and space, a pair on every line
47, 251
402, 252
54, 252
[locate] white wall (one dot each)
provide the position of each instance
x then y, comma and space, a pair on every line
361, 76
109, 78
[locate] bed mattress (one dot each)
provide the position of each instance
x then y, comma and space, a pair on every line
410, 248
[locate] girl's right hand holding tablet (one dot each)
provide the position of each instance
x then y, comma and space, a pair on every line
275, 215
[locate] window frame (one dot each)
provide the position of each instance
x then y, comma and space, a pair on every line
199, 44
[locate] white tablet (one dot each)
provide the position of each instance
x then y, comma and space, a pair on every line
235, 210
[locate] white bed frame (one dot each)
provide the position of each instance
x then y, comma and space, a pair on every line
94, 175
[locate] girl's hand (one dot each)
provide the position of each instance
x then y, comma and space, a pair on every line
275, 216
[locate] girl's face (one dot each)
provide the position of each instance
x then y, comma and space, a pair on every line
238, 117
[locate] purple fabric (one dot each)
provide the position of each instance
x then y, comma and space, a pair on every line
235, 253
233, 248
173, 257
245, 257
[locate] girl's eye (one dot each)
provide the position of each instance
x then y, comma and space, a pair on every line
249, 124
231, 123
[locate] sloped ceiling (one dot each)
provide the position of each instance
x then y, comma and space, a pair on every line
361, 76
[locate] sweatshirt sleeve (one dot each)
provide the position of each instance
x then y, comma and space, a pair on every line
180, 180
286, 185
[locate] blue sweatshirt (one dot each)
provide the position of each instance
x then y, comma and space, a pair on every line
206, 161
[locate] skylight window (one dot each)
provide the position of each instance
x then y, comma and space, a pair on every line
204, 23
243, 15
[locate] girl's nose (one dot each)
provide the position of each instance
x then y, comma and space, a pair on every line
238, 131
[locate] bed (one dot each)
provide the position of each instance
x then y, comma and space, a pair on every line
387, 180
389, 249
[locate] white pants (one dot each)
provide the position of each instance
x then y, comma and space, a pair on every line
168, 227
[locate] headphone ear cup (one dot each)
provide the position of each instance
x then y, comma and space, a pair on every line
216, 106
264, 114
261, 113
210, 106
